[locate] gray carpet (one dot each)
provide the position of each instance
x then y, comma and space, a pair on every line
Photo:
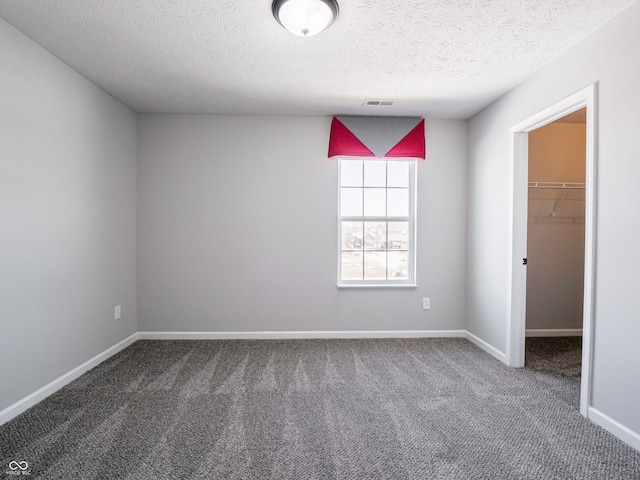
555, 355
311, 409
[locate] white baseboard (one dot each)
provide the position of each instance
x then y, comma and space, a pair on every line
299, 334
625, 434
554, 332
491, 350
29, 401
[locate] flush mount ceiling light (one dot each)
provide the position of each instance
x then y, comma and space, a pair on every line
305, 18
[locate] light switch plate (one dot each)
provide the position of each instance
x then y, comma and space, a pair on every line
426, 304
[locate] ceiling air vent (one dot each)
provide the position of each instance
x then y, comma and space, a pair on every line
378, 103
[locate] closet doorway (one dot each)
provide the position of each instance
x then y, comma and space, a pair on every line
562, 198
555, 246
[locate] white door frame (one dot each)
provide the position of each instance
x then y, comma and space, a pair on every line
516, 311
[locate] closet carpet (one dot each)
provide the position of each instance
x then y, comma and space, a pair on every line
555, 355
423, 409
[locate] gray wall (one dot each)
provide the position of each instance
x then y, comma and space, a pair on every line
237, 229
67, 218
607, 57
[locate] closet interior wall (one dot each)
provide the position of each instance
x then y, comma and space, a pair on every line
556, 230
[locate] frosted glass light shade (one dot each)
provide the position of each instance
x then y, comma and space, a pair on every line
305, 18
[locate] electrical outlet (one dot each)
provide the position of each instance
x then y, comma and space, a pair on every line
426, 304
118, 312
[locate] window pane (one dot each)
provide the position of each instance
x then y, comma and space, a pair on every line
352, 235
374, 202
376, 229
375, 235
352, 265
398, 174
398, 265
351, 173
398, 202
351, 202
375, 265
398, 235
375, 174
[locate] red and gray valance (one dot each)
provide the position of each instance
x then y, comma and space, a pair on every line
377, 137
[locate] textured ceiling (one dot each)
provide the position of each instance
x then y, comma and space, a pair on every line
437, 58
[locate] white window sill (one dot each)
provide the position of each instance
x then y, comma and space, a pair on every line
361, 285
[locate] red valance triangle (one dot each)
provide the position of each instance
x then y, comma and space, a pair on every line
411, 146
343, 142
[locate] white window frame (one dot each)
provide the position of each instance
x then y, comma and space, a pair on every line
410, 281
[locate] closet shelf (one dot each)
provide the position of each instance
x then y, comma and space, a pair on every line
557, 200
556, 185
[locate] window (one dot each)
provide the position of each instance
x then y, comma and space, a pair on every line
376, 226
